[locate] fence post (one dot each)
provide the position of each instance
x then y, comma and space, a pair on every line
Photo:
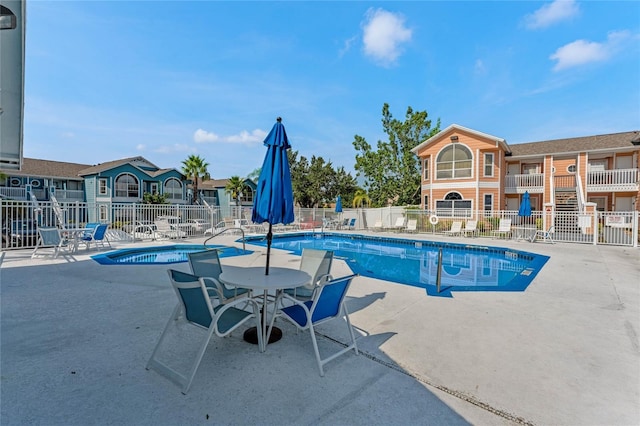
635, 229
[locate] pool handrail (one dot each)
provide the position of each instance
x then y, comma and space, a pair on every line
244, 248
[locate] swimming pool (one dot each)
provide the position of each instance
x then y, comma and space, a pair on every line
162, 255
415, 262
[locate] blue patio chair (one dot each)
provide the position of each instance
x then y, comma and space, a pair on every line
194, 309
316, 263
96, 233
51, 237
328, 304
206, 265
352, 224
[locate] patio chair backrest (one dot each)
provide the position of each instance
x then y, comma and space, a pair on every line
505, 225
412, 224
316, 263
193, 297
205, 263
100, 231
471, 225
329, 299
50, 236
400, 222
456, 226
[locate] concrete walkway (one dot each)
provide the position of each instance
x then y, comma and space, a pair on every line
75, 337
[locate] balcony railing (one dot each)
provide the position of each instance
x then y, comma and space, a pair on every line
70, 194
519, 184
13, 193
613, 180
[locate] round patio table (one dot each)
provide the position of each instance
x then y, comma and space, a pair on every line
254, 278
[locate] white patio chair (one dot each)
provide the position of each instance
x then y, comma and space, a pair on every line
194, 309
399, 224
377, 226
412, 225
456, 228
545, 235
504, 228
316, 263
328, 304
51, 238
470, 227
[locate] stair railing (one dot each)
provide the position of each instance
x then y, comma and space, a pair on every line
222, 232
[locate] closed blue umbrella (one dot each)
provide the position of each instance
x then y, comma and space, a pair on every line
339, 204
273, 202
525, 205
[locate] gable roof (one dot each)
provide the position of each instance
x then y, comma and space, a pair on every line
113, 164
579, 144
49, 169
452, 127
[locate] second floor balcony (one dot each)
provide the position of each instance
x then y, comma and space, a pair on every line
613, 180
519, 184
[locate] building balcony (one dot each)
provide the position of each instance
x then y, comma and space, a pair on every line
70, 194
519, 184
613, 180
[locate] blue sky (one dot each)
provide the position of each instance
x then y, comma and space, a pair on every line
114, 79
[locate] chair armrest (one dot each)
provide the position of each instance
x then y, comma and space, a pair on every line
212, 284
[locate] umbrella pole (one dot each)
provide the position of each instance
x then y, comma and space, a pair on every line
269, 238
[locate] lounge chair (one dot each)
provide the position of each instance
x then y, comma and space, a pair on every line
166, 229
412, 225
456, 228
504, 228
328, 304
316, 263
470, 227
206, 265
194, 309
51, 238
377, 226
545, 235
96, 233
352, 224
399, 224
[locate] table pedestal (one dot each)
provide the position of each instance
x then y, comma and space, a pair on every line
251, 335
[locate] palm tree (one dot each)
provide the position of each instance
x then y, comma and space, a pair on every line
195, 168
235, 187
360, 198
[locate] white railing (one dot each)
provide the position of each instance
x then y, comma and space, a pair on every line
613, 180
70, 194
15, 193
519, 184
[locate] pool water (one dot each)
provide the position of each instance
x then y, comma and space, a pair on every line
415, 262
162, 254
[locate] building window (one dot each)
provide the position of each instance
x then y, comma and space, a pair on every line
488, 202
104, 213
453, 206
247, 194
425, 168
488, 164
173, 189
102, 186
571, 168
127, 186
454, 161
426, 202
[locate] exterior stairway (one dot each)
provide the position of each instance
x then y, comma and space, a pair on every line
566, 204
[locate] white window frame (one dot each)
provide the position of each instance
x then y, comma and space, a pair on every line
129, 190
484, 201
102, 186
488, 163
425, 168
103, 213
171, 194
455, 162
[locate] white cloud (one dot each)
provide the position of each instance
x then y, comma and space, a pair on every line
347, 45
552, 13
244, 137
383, 35
479, 67
582, 52
141, 147
167, 149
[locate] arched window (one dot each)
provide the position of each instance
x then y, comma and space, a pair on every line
247, 194
127, 186
454, 161
453, 205
173, 189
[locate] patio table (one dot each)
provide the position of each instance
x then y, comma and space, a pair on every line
254, 278
74, 234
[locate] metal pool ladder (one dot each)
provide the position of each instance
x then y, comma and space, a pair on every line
244, 248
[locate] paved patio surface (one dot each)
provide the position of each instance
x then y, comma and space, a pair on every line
76, 335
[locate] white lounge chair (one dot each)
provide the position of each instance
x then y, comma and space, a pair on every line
456, 228
412, 225
545, 235
504, 228
470, 227
165, 229
399, 223
377, 226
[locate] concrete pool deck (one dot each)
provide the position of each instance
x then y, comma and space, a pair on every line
76, 335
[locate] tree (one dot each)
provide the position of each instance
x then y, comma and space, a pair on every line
195, 168
361, 198
392, 173
155, 198
235, 187
255, 174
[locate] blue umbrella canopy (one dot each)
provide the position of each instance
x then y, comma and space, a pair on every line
339, 204
525, 205
273, 202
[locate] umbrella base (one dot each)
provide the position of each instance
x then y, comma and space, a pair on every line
251, 335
